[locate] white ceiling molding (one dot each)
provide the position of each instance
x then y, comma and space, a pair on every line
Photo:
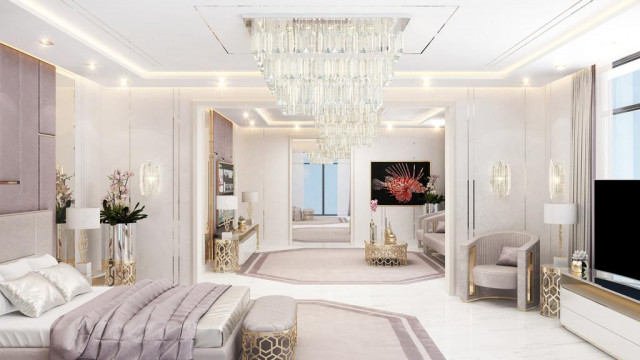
463, 39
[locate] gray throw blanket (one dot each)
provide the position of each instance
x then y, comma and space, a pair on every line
148, 320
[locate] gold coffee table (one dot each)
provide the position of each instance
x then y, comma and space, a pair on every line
379, 254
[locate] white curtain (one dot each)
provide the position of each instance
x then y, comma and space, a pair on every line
582, 121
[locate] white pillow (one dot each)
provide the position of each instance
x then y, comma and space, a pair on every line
42, 262
6, 306
32, 294
14, 270
67, 280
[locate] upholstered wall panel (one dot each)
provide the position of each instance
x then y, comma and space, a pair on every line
27, 142
47, 178
47, 99
25, 234
9, 106
28, 110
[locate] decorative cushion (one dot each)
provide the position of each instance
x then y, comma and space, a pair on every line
496, 276
508, 256
14, 270
67, 280
32, 294
6, 306
42, 262
271, 314
440, 227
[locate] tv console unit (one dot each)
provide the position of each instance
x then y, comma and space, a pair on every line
606, 319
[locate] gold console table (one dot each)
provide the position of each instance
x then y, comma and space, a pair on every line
385, 255
226, 252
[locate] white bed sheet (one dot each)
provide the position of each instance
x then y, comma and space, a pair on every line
17, 330
214, 328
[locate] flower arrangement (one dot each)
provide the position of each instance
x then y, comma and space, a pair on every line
115, 206
64, 196
430, 195
374, 206
580, 255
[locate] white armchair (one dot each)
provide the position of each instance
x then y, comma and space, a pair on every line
482, 278
426, 234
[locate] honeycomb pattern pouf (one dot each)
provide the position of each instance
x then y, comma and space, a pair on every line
269, 331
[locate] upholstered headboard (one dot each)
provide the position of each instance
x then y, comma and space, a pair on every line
25, 234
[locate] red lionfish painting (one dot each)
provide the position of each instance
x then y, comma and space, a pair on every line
398, 183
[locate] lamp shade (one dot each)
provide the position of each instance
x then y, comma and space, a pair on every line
250, 196
561, 214
83, 218
226, 202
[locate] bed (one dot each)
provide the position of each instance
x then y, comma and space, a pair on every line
218, 335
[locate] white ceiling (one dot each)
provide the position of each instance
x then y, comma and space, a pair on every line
196, 42
401, 117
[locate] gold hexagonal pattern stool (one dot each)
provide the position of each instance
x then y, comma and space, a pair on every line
385, 254
270, 329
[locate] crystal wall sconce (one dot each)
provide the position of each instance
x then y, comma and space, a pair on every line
149, 178
500, 179
556, 179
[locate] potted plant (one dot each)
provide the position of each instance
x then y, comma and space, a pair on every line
65, 249
119, 264
431, 197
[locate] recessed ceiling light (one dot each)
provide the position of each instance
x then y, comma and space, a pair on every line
91, 65
46, 42
526, 81
561, 67
252, 123
245, 114
389, 126
124, 82
222, 82
426, 83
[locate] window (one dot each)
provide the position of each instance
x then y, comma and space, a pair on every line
625, 126
321, 188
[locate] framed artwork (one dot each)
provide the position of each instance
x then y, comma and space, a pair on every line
225, 179
399, 182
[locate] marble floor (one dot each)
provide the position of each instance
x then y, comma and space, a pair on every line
490, 329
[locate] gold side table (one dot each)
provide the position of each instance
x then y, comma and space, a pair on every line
226, 255
550, 291
385, 255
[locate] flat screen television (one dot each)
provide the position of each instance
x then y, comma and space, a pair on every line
617, 228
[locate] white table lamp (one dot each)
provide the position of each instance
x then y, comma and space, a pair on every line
83, 219
560, 214
250, 197
227, 202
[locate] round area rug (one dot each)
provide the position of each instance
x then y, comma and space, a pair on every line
330, 330
337, 266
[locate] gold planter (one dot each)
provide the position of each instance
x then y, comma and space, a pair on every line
120, 263
65, 245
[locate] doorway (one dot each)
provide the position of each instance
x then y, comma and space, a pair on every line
320, 193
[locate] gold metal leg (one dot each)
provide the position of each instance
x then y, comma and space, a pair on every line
472, 264
529, 277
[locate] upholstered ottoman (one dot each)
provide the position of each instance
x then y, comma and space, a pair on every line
270, 329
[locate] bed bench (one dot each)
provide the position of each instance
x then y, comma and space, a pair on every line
270, 329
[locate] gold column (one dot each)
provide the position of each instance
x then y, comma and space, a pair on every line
211, 224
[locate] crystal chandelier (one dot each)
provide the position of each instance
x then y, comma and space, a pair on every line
333, 66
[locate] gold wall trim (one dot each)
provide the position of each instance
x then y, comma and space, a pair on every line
9, 182
472, 264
